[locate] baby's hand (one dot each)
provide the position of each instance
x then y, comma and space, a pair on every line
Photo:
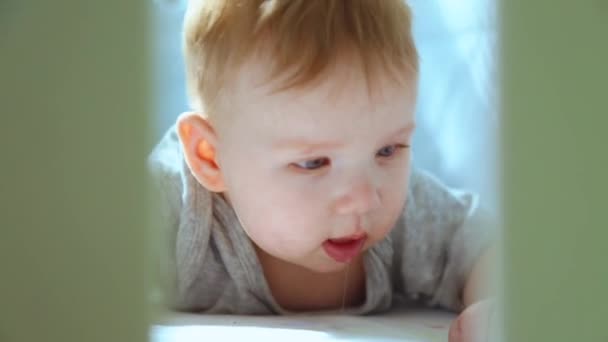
474, 323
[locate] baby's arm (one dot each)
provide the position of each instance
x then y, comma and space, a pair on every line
481, 282
475, 323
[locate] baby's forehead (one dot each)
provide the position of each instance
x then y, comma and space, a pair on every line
332, 110
344, 86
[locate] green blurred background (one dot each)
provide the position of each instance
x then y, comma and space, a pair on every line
74, 124
555, 164
73, 85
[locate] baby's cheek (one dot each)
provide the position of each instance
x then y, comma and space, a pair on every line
292, 221
394, 207
394, 193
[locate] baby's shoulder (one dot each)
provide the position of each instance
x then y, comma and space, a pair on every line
190, 222
431, 205
428, 195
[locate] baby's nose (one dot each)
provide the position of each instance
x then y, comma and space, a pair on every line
359, 198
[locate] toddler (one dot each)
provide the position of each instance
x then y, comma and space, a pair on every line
289, 186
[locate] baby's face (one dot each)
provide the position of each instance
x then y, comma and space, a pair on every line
303, 166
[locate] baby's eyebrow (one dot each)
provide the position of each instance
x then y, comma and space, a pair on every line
305, 146
407, 129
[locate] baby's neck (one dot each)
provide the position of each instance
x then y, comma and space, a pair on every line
298, 289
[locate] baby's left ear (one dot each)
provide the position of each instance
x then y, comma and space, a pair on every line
199, 141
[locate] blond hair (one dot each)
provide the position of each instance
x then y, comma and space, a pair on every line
300, 38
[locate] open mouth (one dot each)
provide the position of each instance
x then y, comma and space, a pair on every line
345, 249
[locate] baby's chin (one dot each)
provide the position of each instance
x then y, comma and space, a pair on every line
328, 265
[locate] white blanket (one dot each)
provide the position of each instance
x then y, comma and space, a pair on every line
409, 325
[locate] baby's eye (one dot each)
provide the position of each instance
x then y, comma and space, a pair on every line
389, 151
312, 164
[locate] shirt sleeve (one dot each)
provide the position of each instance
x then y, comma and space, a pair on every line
444, 232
